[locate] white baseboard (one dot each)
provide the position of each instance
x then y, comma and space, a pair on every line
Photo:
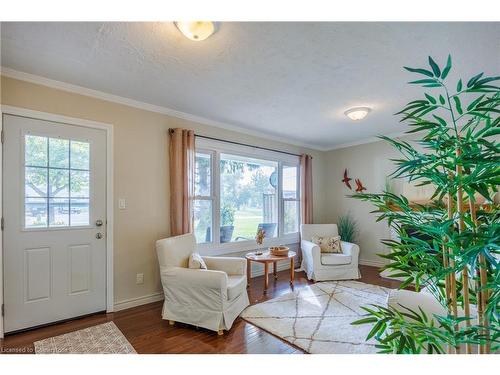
371, 262
138, 301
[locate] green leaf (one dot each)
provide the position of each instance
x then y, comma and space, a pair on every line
490, 132
375, 329
430, 99
435, 67
459, 85
364, 321
458, 105
391, 337
474, 103
423, 81
447, 68
473, 80
401, 346
440, 120
421, 71
441, 99
486, 80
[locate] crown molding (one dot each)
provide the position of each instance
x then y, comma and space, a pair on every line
68, 87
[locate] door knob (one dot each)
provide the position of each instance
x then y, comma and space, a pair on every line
98, 236
98, 223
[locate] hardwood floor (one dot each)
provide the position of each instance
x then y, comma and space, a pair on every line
148, 333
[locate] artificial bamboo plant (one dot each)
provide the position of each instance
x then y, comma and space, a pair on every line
455, 254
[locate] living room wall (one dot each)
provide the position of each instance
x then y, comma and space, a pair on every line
141, 174
370, 163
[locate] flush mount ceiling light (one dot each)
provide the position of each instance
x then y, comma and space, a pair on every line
357, 113
196, 30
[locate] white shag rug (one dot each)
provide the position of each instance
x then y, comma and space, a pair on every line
101, 339
318, 318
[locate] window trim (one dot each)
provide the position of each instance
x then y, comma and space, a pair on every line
215, 148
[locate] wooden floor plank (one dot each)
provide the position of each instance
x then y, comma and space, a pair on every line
148, 333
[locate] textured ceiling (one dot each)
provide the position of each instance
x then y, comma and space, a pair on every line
289, 80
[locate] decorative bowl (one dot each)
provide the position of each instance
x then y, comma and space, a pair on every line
279, 250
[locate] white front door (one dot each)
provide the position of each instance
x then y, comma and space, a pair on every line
54, 209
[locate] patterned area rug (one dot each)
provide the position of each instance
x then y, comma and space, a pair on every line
101, 339
317, 318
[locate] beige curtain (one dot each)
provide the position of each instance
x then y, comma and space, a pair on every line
306, 189
182, 156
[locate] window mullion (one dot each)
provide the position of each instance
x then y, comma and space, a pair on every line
216, 194
281, 220
297, 196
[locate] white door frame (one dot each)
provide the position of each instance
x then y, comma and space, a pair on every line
108, 128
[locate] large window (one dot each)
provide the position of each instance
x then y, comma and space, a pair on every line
239, 192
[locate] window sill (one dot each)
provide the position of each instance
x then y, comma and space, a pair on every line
210, 249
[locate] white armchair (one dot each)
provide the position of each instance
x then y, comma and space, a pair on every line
327, 266
211, 298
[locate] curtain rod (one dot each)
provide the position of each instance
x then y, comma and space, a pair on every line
240, 144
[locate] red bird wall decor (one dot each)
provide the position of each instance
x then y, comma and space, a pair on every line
359, 186
346, 180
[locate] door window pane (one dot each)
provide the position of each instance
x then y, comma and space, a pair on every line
58, 183
35, 151
248, 196
80, 155
79, 212
203, 220
58, 212
57, 191
203, 175
35, 212
58, 153
80, 184
35, 182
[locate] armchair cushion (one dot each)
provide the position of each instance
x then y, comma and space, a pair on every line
196, 262
330, 244
335, 259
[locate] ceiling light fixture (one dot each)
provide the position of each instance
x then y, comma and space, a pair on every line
357, 113
196, 30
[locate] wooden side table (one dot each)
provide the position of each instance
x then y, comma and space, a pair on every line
266, 258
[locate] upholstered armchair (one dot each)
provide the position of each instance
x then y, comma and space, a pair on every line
211, 298
327, 266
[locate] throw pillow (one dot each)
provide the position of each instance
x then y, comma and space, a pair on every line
196, 262
328, 244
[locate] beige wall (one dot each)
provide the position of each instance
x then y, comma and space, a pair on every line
141, 173
370, 163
